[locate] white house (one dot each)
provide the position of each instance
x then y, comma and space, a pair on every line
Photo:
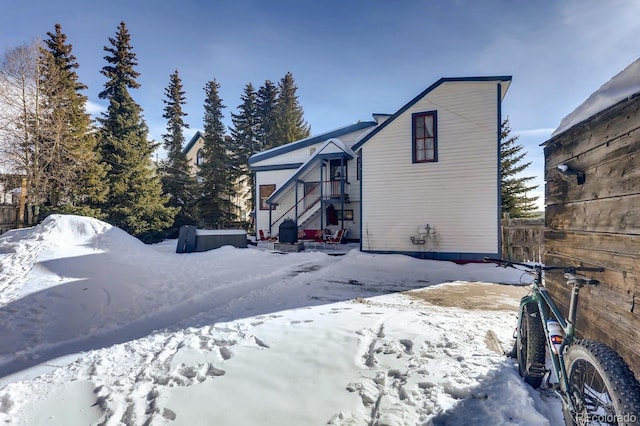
424, 181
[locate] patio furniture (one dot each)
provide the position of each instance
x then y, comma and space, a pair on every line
261, 236
336, 239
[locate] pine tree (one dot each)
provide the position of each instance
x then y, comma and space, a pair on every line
290, 122
514, 186
245, 135
135, 201
215, 173
266, 112
177, 180
75, 175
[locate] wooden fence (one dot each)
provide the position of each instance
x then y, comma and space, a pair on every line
522, 239
8, 218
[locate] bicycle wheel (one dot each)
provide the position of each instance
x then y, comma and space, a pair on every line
601, 386
530, 346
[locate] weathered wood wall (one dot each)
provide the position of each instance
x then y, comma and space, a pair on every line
8, 218
598, 224
522, 239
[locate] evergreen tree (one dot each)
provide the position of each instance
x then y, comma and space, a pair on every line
266, 112
514, 186
215, 173
135, 201
245, 131
290, 122
76, 177
177, 180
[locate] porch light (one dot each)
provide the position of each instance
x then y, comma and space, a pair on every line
568, 171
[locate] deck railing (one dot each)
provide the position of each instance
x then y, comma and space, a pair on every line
328, 190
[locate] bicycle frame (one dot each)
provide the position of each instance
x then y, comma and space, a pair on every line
548, 309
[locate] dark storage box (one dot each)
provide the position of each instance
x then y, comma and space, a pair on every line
288, 232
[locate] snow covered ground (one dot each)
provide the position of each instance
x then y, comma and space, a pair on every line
98, 328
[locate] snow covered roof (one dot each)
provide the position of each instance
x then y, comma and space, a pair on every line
325, 151
622, 86
292, 146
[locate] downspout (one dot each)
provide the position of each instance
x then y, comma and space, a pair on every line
342, 178
360, 155
499, 107
270, 218
296, 209
322, 165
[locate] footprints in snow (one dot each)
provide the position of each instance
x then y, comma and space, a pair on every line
404, 379
187, 358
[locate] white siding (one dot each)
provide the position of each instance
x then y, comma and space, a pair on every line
458, 195
277, 177
297, 156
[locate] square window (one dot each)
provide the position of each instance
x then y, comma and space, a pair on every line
265, 192
346, 214
424, 132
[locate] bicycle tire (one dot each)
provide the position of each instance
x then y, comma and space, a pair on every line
530, 350
601, 386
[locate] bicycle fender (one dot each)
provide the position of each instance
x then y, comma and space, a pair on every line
526, 300
523, 302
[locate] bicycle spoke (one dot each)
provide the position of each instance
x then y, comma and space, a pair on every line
591, 396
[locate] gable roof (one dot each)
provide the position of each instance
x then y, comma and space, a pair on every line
504, 78
193, 141
282, 149
339, 150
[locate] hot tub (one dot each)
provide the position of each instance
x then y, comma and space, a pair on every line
216, 238
192, 239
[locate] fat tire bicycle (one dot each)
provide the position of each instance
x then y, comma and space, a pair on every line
595, 385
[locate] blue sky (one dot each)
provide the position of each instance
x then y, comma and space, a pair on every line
350, 58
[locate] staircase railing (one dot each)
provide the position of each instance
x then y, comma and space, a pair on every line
330, 190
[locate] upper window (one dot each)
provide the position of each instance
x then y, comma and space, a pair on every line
200, 157
425, 137
265, 192
338, 169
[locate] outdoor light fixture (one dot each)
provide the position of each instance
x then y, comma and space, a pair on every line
568, 171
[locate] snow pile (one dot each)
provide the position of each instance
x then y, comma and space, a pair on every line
123, 333
20, 248
620, 87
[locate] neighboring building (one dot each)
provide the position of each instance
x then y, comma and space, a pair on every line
424, 181
195, 155
592, 173
10, 188
10, 207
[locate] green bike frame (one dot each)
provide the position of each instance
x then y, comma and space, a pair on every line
548, 310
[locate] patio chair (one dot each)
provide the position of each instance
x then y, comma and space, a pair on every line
261, 236
337, 238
